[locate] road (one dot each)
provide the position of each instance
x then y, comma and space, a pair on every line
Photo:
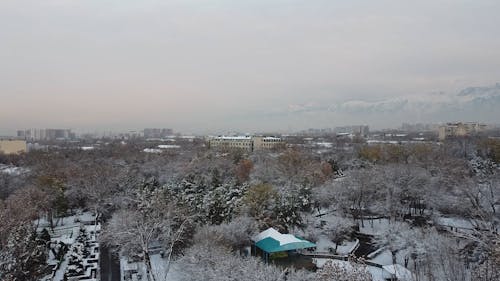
110, 266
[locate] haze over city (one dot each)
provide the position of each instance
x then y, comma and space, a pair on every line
249, 140
204, 66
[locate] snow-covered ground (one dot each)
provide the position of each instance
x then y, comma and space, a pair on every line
455, 224
12, 170
168, 146
383, 257
132, 270
374, 227
161, 148
400, 272
377, 273
324, 245
152, 150
370, 227
66, 230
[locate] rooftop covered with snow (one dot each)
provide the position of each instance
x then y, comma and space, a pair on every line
272, 241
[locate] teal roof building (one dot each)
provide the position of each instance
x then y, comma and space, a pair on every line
272, 241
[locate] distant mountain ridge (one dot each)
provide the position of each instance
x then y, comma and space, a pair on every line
472, 103
481, 91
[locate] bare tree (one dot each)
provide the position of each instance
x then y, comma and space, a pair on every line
358, 192
151, 218
396, 238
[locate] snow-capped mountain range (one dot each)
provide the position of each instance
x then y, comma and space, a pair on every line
473, 103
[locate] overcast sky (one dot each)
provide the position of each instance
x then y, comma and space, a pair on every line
205, 66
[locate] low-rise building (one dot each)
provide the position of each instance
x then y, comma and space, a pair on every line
248, 143
12, 146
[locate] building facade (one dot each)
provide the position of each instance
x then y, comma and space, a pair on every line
460, 129
266, 143
248, 143
45, 134
12, 146
157, 133
357, 130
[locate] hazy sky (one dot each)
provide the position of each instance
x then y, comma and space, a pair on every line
235, 65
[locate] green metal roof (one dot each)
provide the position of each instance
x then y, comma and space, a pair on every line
270, 245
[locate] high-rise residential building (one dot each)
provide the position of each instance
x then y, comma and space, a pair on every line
419, 127
45, 134
156, 133
358, 130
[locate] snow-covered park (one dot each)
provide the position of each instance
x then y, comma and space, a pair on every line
74, 248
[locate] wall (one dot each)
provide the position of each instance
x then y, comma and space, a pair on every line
12, 146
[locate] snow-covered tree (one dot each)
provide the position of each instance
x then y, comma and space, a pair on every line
286, 213
235, 234
343, 272
243, 170
259, 201
339, 230
22, 257
439, 258
357, 192
212, 262
150, 218
396, 238
22, 254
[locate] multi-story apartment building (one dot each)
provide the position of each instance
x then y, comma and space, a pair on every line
45, 134
419, 127
358, 130
235, 142
267, 143
151, 133
12, 146
460, 129
248, 143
